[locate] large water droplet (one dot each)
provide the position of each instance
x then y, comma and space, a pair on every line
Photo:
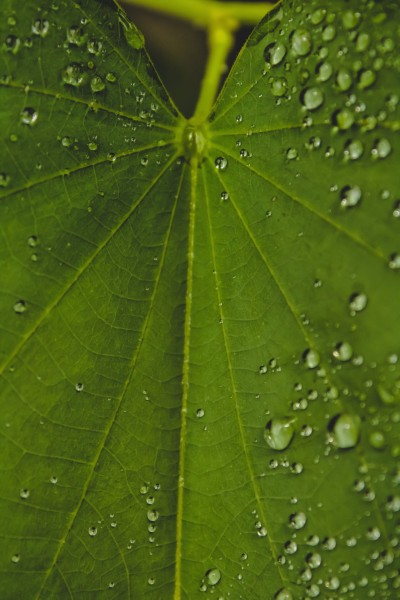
353, 149
279, 432
346, 430
132, 34
366, 78
301, 42
297, 520
283, 594
324, 71
343, 351
344, 80
221, 163
357, 302
343, 119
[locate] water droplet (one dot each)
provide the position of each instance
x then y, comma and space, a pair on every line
343, 351
312, 98
283, 594
92, 531
314, 560
29, 116
357, 302
275, 53
279, 432
12, 43
343, 119
396, 209
291, 153
381, 148
351, 19
92, 146
324, 71
224, 196
344, 80
79, 387
20, 307
151, 581
152, 515
353, 149
290, 547
297, 520
366, 78
213, 576
377, 440
74, 75
24, 494
221, 163
76, 35
311, 358
200, 413
40, 27
53, 479
329, 33
394, 261
4, 180
97, 84
350, 196
66, 141
132, 34
15, 558
94, 47
346, 430
301, 42
279, 86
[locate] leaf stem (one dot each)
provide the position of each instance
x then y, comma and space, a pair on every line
200, 12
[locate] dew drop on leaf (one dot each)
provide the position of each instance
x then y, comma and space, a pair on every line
343, 118
324, 71
312, 98
4, 180
394, 261
353, 149
15, 558
283, 594
221, 163
350, 196
297, 520
314, 560
94, 47
79, 387
20, 307
346, 430
40, 27
92, 531
279, 432
301, 42
24, 493
275, 53
357, 302
97, 84
381, 149
311, 358
343, 351
213, 576
29, 116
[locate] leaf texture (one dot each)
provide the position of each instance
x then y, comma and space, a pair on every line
200, 363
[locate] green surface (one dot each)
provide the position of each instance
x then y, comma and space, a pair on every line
200, 365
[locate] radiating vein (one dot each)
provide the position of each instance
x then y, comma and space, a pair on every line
119, 403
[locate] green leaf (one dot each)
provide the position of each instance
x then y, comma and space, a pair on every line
199, 362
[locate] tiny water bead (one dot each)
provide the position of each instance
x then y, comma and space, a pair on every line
79, 387
29, 116
224, 196
213, 576
279, 432
346, 430
24, 494
15, 558
92, 531
20, 307
4, 180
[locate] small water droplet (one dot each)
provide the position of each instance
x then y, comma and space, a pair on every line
74, 75
221, 163
29, 116
312, 98
40, 27
394, 261
279, 432
24, 493
20, 307
152, 515
353, 149
346, 430
213, 576
366, 78
343, 351
275, 53
381, 148
94, 46
79, 387
97, 84
350, 196
15, 558
297, 520
92, 531
76, 35
283, 594
357, 302
343, 118
314, 560
4, 180
311, 358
